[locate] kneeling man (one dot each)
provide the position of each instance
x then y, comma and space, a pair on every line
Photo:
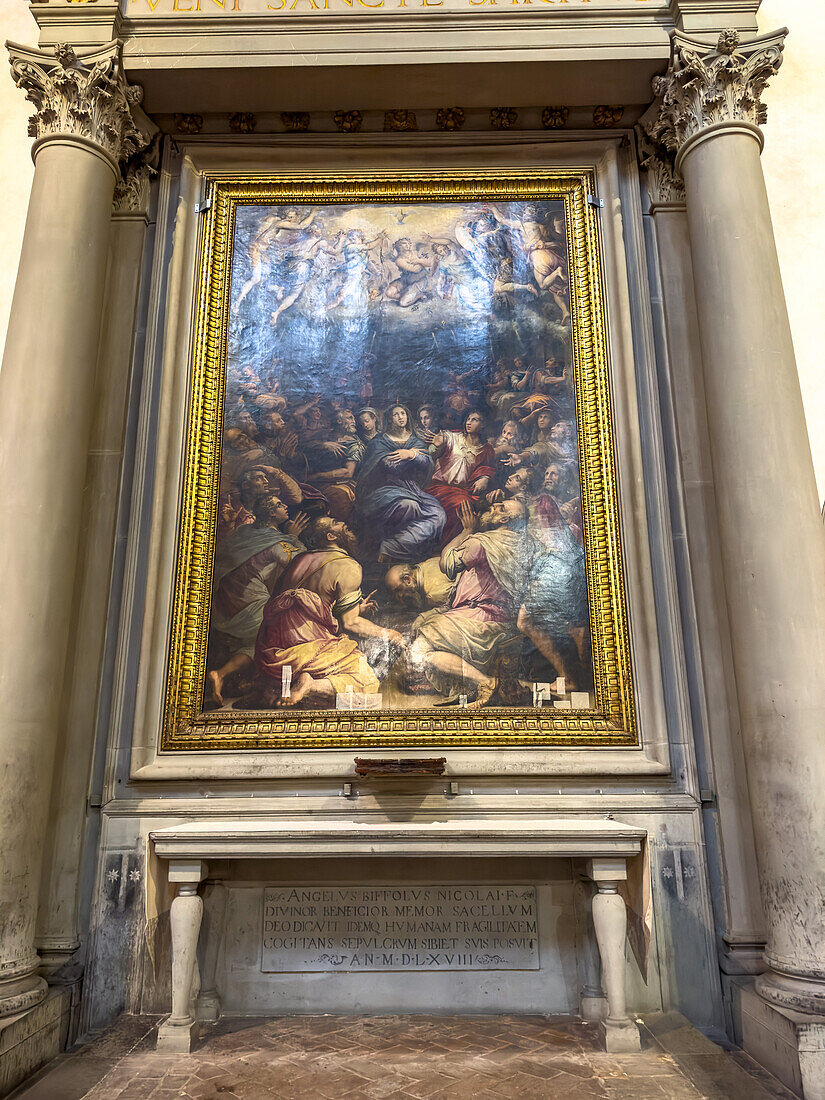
318, 595
461, 643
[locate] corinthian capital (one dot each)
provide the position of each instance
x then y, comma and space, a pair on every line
705, 86
85, 97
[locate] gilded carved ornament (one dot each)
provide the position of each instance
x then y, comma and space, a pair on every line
188, 124
400, 119
348, 122
605, 117
706, 86
295, 122
503, 118
85, 97
242, 122
450, 118
553, 118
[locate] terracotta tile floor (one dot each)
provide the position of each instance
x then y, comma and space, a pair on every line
399, 1057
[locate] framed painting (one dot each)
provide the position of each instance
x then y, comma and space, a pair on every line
399, 522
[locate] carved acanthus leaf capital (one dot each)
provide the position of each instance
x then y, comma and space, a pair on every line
84, 97
705, 86
665, 186
132, 192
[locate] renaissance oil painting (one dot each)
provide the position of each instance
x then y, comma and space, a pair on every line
400, 521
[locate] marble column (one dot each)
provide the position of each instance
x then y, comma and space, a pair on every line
706, 119
85, 128
58, 937
727, 823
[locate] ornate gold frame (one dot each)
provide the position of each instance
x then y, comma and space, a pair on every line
612, 721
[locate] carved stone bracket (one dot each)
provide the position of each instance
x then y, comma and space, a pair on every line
706, 87
84, 97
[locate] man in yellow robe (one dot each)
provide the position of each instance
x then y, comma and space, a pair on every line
312, 619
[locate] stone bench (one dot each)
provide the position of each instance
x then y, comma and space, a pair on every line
605, 844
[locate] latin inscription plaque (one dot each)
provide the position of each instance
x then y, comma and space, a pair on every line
400, 928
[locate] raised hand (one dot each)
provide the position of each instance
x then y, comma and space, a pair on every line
338, 449
467, 516
368, 604
297, 524
426, 435
511, 460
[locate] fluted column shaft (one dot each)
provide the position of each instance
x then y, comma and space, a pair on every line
46, 406
772, 543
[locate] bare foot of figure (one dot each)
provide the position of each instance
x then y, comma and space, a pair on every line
486, 687
299, 689
214, 681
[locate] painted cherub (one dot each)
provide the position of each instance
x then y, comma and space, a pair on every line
273, 229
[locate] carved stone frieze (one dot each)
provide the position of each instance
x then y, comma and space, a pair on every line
85, 97
705, 86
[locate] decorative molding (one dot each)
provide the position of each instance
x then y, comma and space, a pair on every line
450, 118
664, 184
400, 119
553, 118
85, 97
706, 86
503, 118
132, 192
349, 122
242, 122
295, 122
188, 124
605, 117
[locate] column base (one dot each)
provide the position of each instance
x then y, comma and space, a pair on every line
593, 1007
31, 1039
742, 957
620, 1036
21, 994
791, 1045
57, 961
796, 994
177, 1038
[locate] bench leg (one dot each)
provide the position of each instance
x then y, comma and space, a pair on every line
592, 1001
214, 902
179, 1031
621, 1034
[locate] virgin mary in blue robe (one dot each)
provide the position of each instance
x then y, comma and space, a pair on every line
396, 517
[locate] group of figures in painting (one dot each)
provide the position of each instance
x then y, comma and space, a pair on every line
399, 421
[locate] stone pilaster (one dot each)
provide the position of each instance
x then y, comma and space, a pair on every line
707, 116
86, 124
